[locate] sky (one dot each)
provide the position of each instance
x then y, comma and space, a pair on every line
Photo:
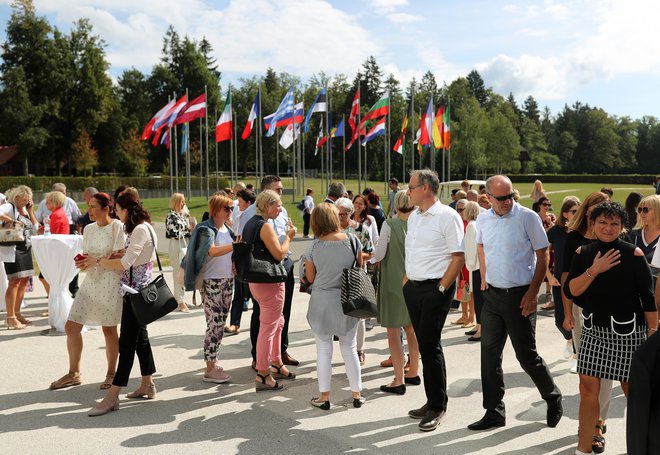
604, 53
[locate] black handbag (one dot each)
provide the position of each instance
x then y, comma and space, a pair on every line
358, 297
255, 264
153, 301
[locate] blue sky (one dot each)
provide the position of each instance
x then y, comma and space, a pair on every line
602, 52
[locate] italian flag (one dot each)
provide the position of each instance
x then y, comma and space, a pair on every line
381, 108
223, 129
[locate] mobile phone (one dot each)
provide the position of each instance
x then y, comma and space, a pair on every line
79, 257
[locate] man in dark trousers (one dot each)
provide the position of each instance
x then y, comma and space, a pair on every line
512, 248
434, 257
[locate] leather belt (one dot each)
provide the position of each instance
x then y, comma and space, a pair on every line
508, 290
434, 281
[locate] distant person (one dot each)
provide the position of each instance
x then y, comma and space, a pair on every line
236, 213
472, 195
249, 186
465, 186
657, 185
454, 198
335, 191
484, 203
177, 232
375, 209
58, 223
537, 191
394, 188
607, 190
84, 220
308, 203
632, 201
350, 194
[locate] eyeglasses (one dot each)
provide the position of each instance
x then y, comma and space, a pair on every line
545, 204
229, 208
643, 210
343, 215
459, 210
412, 187
502, 198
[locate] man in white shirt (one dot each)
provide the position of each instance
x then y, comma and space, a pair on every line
434, 257
236, 213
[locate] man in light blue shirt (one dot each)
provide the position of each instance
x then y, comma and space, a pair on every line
512, 248
273, 182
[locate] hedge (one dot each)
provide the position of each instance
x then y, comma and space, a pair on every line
636, 179
42, 184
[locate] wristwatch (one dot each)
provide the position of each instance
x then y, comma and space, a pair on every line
441, 288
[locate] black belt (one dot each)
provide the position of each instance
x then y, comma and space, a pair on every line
434, 281
508, 290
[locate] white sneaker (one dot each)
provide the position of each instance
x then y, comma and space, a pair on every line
573, 366
568, 350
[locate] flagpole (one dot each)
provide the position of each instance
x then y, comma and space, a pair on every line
206, 122
231, 152
217, 181
403, 154
413, 131
328, 142
343, 148
359, 143
171, 163
235, 151
201, 155
261, 147
386, 171
293, 152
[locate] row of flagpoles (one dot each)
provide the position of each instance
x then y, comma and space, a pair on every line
433, 133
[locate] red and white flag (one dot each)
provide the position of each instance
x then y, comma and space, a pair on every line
353, 119
254, 113
193, 110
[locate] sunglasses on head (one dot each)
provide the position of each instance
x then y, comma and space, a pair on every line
642, 210
502, 198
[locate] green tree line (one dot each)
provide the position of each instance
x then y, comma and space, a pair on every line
66, 115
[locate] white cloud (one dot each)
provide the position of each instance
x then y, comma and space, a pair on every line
386, 6
403, 18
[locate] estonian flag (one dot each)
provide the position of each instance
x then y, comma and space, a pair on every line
319, 105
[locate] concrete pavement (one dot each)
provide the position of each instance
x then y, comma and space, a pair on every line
190, 416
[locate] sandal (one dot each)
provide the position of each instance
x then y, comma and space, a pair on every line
16, 325
279, 375
22, 320
598, 444
107, 383
68, 380
459, 321
263, 386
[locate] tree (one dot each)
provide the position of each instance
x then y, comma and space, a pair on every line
469, 141
83, 154
371, 82
478, 87
502, 144
133, 155
531, 110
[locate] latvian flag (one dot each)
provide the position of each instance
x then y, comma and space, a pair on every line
193, 110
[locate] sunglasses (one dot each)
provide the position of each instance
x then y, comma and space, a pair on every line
502, 198
545, 204
459, 210
643, 210
228, 208
574, 211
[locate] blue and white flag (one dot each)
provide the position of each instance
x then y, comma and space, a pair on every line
319, 105
285, 107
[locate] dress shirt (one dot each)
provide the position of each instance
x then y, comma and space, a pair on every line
471, 255
246, 215
431, 239
70, 208
141, 248
510, 243
235, 215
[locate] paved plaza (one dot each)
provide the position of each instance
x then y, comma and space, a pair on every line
190, 416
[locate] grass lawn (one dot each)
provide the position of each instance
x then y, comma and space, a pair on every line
158, 208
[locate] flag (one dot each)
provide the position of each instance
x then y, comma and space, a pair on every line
193, 110
171, 114
151, 126
353, 118
437, 128
295, 116
166, 138
338, 131
223, 129
377, 130
319, 105
254, 113
418, 136
320, 139
184, 138
154, 142
425, 124
381, 108
285, 107
446, 133
289, 136
399, 147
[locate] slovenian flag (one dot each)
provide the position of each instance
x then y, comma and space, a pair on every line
254, 114
319, 105
223, 129
377, 130
295, 116
285, 108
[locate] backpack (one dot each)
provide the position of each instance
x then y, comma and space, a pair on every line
301, 205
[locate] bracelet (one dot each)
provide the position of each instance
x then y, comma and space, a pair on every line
588, 274
652, 329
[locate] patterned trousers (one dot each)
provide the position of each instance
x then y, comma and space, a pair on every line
216, 299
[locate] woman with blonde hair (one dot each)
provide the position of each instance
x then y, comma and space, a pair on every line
269, 295
467, 319
17, 260
331, 252
469, 214
645, 234
392, 311
177, 231
537, 191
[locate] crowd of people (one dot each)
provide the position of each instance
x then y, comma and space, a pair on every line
484, 251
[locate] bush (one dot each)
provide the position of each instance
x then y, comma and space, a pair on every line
108, 184
613, 179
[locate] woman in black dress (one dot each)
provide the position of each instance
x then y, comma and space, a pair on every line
613, 281
647, 230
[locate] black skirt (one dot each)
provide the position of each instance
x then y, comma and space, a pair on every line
22, 267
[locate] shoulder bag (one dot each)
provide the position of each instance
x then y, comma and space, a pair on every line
358, 297
155, 300
255, 264
13, 235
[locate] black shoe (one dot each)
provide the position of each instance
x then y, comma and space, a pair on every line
419, 413
415, 380
471, 332
554, 413
358, 402
486, 423
317, 402
431, 420
473, 338
397, 389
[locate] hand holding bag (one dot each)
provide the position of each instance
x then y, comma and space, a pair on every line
155, 300
255, 264
358, 297
13, 235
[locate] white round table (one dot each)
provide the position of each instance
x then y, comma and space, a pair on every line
55, 255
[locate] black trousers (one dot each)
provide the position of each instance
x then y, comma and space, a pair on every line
289, 286
428, 310
306, 218
133, 339
501, 317
237, 304
478, 294
559, 313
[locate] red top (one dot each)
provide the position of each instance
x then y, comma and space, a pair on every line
59, 223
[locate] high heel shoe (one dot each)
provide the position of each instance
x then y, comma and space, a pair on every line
277, 374
263, 386
149, 394
99, 409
